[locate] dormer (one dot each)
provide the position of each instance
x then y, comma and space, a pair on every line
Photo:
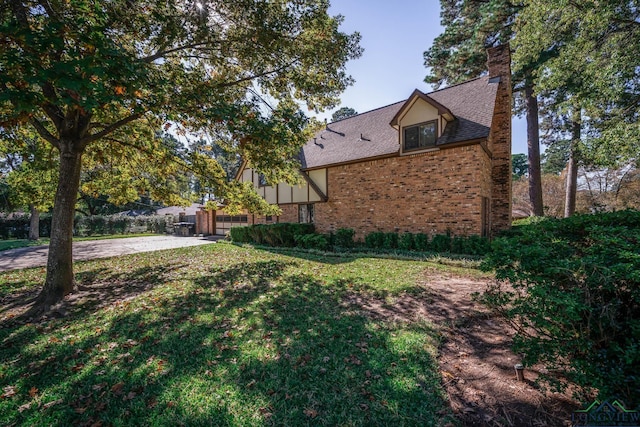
420, 122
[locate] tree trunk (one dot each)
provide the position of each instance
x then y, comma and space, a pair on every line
59, 280
533, 145
34, 223
572, 168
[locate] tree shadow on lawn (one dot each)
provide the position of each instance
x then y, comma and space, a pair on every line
247, 344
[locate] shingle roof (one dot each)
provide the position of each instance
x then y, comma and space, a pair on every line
370, 135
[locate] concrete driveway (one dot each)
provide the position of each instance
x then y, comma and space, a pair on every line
36, 256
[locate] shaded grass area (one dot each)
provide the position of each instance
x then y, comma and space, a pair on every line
222, 335
5, 245
23, 243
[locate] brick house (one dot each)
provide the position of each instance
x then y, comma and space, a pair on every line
436, 162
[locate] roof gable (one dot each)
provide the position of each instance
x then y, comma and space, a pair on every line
370, 135
442, 110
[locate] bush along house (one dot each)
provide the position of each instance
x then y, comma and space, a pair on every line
435, 163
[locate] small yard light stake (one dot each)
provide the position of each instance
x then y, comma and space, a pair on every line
519, 372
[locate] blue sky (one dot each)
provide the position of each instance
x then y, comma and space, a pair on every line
395, 35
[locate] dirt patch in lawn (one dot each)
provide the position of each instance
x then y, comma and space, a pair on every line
475, 359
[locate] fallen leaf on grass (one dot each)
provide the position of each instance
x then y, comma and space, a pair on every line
8, 391
52, 403
24, 407
311, 413
98, 387
130, 396
117, 388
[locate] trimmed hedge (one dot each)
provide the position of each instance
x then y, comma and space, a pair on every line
290, 235
281, 234
573, 295
443, 243
17, 226
343, 238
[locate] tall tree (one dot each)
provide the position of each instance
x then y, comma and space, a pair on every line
519, 166
588, 52
85, 72
459, 54
343, 113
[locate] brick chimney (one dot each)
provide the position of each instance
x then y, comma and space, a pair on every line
499, 64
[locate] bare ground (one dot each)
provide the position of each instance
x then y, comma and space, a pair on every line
476, 363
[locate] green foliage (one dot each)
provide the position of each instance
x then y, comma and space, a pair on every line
390, 241
281, 234
421, 242
240, 234
586, 55
343, 237
441, 243
374, 240
571, 288
459, 53
468, 245
97, 225
406, 242
519, 166
343, 113
98, 80
17, 225
312, 241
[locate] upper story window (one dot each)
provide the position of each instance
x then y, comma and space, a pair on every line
262, 180
420, 136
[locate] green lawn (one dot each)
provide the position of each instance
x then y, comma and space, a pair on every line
221, 335
23, 243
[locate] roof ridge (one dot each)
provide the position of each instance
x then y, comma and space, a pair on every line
367, 112
457, 84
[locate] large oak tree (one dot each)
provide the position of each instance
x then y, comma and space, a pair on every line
85, 73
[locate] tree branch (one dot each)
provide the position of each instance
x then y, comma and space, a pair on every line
44, 133
108, 129
255, 76
162, 53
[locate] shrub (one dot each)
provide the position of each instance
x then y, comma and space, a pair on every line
575, 298
240, 234
390, 241
421, 242
374, 240
406, 242
15, 226
458, 245
441, 243
343, 238
477, 245
313, 241
281, 234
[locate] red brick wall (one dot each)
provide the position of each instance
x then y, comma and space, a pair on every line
429, 192
499, 64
